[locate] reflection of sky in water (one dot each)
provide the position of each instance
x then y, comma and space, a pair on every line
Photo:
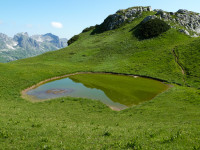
67, 87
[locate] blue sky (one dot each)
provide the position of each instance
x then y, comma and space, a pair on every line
66, 18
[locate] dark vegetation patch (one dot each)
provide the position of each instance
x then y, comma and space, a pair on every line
106, 133
98, 29
73, 39
151, 28
88, 29
133, 145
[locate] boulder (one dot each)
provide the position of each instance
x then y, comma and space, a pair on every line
172, 13
149, 8
183, 11
149, 18
120, 11
160, 12
197, 30
194, 35
184, 31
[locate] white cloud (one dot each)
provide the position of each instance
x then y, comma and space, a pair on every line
56, 25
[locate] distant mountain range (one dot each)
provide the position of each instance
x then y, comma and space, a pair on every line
22, 45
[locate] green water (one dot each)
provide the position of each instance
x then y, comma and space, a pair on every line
117, 91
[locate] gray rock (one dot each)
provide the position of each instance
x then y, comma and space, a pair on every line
197, 30
189, 20
149, 8
160, 12
24, 41
183, 11
116, 20
184, 31
149, 18
172, 13
120, 11
194, 35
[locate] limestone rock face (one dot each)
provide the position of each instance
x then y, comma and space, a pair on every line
149, 18
184, 31
187, 19
121, 16
183, 11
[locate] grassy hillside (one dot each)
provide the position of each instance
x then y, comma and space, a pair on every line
169, 121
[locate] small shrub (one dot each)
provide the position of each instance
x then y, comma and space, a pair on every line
98, 29
3, 134
36, 125
133, 145
73, 39
106, 133
152, 28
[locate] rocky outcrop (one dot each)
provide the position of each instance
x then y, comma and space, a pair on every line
189, 20
121, 16
149, 18
184, 31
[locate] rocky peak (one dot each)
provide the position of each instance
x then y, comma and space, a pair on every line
123, 15
22, 34
25, 41
6, 42
183, 11
63, 42
3, 36
52, 39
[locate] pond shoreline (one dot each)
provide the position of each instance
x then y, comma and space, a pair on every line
27, 97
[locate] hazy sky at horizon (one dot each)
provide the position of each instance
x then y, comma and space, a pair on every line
66, 18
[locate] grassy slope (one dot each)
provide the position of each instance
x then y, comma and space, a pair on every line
169, 121
189, 58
